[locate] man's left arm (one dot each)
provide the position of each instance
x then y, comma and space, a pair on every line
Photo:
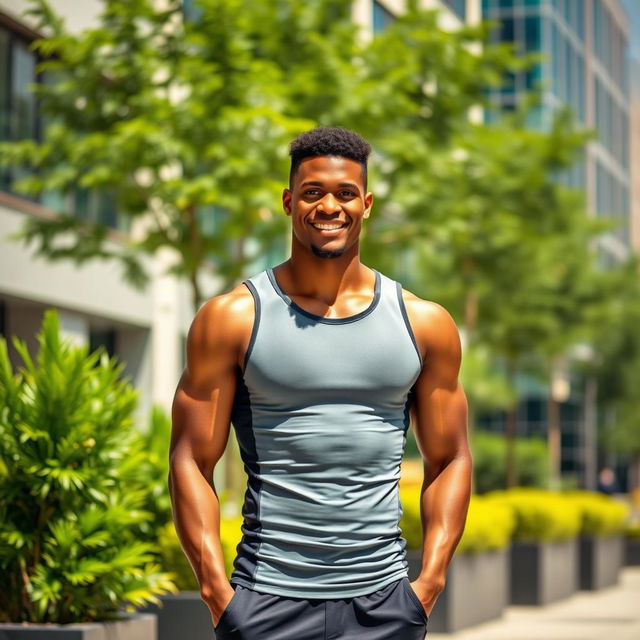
439, 417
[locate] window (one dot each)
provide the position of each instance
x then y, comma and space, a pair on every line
382, 17
3, 318
532, 32
191, 11
102, 337
17, 104
20, 119
459, 6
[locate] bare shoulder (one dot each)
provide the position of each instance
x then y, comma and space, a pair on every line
434, 327
222, 324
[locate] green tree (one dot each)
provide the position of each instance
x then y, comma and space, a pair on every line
185, 123
180, 121
504, 246
616, 367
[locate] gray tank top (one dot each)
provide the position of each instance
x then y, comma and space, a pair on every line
321, 413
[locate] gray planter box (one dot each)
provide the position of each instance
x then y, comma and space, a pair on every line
631, 552
182, 615
135, 626
541, 573
601, 559
465, 600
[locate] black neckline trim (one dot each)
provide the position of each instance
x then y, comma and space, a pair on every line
361, 314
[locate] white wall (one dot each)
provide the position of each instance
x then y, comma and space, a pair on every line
77, 14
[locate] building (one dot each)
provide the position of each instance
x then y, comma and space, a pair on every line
633, 9
635, 154
584, 46
375, 15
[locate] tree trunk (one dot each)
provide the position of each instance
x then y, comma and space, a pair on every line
511, 436
511, 433
235, 477
634, 472
470, 319
590, 445
553, 439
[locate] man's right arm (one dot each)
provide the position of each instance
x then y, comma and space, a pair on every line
200, 416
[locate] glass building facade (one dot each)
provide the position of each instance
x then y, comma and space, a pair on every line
381, 16
583, 46
459, 7
584, 49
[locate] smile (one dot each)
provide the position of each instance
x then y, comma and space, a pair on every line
327, 228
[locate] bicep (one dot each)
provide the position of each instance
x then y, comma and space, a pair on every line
439, 411
202, 404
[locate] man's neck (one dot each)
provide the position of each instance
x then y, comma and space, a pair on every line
324, 279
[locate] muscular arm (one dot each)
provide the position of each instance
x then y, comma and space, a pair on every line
200, 431
439, 418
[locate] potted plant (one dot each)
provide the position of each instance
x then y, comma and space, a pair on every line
543, 562
632, 530
481, 558
632, 544
601, 542
71, 496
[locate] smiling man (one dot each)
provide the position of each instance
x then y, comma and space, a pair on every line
321, 364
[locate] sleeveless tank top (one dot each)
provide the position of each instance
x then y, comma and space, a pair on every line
321, 413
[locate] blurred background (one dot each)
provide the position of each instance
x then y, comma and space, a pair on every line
144, 150
157, 186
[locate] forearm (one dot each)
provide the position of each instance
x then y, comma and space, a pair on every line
444, 504
196, 514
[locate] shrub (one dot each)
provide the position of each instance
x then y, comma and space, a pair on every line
540, 515
157, 439
410, 523
489, 522
490, 525
489, 461
601, 514
71, 487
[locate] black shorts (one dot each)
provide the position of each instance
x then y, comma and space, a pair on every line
391, 613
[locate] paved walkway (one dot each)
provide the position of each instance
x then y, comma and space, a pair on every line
611, 613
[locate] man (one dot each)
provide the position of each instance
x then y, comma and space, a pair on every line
319, 363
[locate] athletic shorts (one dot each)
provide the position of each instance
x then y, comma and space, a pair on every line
391, 613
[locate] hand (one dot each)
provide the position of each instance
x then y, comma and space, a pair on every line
218, 602
427, 592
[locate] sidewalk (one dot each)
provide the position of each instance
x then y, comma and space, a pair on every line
613, 612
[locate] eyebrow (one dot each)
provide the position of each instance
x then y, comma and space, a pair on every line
315, 183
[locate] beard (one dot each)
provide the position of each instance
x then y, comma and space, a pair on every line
326, 253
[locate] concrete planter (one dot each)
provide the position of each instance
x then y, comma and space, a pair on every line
631, 551
135, 626
465, 601
182, 615
601, 559
543, 572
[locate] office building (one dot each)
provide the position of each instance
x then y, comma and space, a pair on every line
585, 49
584, 45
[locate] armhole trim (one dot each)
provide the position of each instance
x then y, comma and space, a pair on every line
403, 310
256, 322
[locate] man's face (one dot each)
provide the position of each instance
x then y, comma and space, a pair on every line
328, 191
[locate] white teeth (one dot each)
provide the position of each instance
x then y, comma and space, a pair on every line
328, 226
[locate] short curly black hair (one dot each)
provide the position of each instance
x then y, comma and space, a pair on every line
329, 141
